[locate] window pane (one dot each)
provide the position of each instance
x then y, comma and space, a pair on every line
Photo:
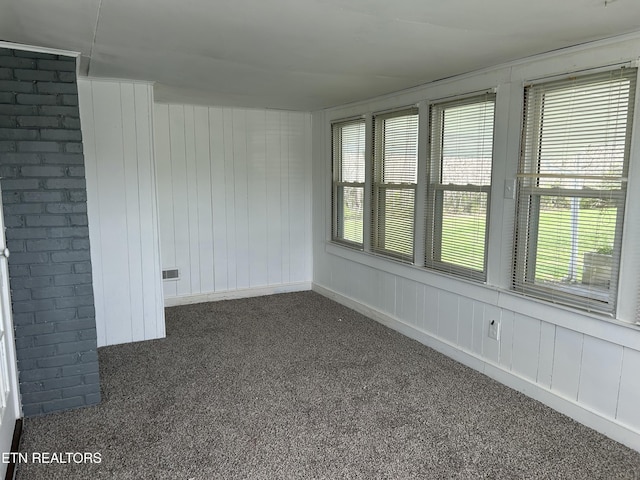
399, 219
352, 153
464, 220
467, 144
400, 149
569, 227
584, 133
351, 209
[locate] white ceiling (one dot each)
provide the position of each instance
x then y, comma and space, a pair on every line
304, 54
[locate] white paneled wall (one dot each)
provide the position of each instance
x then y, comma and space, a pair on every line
582, 365
117, 129
234, 191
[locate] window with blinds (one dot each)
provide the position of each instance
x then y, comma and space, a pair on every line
459, 183
571, 188
348, 150
395, 173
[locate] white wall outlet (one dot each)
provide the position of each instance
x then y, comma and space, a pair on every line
494, 329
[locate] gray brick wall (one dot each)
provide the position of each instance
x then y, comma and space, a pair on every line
45, 211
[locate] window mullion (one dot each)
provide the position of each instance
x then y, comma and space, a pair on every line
368, 182
420, 222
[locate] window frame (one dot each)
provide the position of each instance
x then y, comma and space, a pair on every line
436, 190
337, 184
378, 187
529, 197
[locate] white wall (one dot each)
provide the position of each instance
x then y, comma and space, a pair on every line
583, 365
117, 129
234, 190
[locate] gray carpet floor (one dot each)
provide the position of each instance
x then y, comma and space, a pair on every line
297, 386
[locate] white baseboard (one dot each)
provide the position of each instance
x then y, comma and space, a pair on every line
234, 294
584, 415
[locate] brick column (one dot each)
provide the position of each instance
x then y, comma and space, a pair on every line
45, 212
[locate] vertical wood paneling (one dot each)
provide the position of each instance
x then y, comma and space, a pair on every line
567, 357
600, 375
526, 346
274, 178
180, 197
229, 179
121, 190
478, 327
165, 194
147, 195
431, 311
629, 395
297, 201
257, 192
420, 304
284, 195
338, 276
448, 316
205, 244
191, 175
465, 323
356, 288
366, 289
379, 289
112, 209
234, 197
398, 310
241, 197
409, 297
545, 355
388, 293
506, 339
218, 198
308, 188
132, 217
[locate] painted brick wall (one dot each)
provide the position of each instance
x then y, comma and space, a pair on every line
45, 212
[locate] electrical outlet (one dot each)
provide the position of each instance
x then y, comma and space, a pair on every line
494, 329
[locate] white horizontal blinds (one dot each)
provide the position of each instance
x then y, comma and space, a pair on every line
460, 162
394, 183
348, 181
572, 184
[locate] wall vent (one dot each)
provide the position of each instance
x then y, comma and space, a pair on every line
170, 274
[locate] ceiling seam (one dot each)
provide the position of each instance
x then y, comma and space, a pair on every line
93, 41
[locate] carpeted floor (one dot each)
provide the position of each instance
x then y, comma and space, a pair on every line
297, 386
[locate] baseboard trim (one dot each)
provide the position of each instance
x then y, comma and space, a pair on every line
15, 448
592, 419
235, 294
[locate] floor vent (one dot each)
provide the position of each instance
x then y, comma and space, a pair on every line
170, 274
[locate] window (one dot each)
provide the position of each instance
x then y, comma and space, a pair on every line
459, 183
348, 181
395, 174
571, 188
